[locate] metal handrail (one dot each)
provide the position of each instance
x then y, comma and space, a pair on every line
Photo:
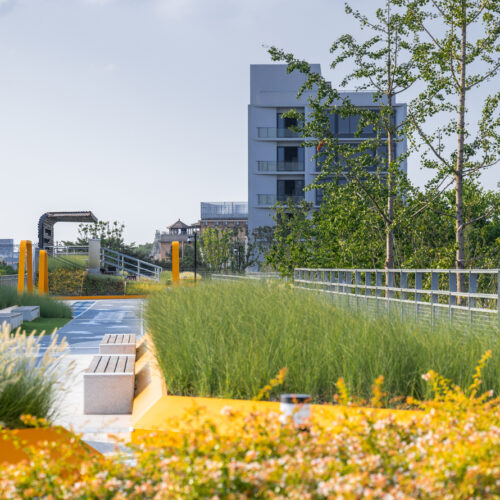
131, 265
434, 288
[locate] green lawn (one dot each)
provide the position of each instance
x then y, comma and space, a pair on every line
44, 324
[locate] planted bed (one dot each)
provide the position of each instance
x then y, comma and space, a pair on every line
228, 339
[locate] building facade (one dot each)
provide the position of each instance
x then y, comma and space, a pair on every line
279, 167
231, 215
178, 231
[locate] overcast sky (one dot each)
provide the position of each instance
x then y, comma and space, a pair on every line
137, 109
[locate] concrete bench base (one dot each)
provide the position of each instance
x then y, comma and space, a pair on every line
108, 385
123, 343
29, 313
14, 320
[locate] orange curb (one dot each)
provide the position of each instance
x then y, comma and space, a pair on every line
154, 410
99, 297
13, 444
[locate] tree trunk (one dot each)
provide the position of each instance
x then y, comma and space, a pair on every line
459, 203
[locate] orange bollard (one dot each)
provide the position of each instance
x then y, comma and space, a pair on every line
43, 274
29, 265
175, 262
21, 267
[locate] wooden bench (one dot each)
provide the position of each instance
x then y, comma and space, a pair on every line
121, 343
108, 385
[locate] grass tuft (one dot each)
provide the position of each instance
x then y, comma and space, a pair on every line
49, 308
30, 384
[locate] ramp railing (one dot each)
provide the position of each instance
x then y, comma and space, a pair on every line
126, 264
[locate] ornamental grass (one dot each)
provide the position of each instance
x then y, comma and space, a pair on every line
227, 339
32, 377
451, 451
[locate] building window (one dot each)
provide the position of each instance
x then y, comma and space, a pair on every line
290, 188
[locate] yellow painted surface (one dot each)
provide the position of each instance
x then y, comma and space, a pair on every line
21, 267
11, 452
175, 262
43, 273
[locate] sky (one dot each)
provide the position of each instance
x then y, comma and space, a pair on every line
137, 109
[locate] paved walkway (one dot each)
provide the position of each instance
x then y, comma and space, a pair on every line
92, 320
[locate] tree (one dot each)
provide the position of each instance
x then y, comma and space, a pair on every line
110, 234
381, 63
456, 50
216, 247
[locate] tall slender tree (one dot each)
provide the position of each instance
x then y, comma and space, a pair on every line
382, 64
456, 50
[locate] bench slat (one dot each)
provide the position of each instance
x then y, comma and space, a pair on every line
129, 368
120, 367
111, 367
93, 364
103, 363
105, 340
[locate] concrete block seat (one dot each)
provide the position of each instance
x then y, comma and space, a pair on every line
10, 316
122, 343
29, 313
108, 385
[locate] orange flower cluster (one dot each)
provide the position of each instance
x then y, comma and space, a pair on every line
452, 452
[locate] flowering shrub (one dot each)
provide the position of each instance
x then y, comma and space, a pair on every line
451, 451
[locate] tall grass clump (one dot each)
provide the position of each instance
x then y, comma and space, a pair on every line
31, 382
228, 339
49, 308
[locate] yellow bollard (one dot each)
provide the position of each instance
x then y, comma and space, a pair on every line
43, 273
21, 267
175, 262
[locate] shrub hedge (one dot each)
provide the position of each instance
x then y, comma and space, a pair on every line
67, 282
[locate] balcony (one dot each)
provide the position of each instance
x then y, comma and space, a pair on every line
280, 166
276, 133
269, 200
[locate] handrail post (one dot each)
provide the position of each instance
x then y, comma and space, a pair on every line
434, 297
452, 286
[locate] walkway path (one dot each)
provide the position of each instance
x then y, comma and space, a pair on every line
92, 320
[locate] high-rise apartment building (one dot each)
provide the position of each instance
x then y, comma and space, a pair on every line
279, 167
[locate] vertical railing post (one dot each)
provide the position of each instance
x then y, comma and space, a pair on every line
418, 296
403, 283
434, 296
472, 290
452, 284
357, 280
348, 281
378, 283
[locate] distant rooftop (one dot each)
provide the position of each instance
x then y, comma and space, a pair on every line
224, 210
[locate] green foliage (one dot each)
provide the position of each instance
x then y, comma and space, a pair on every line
346, 233
66, 282
49, 307
143, 287
5, 269
30, 384
98, 284
67, 262
228, 339
110, 234
216, 247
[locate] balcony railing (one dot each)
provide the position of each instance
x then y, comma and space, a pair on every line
280, 166
268, 200
276, 133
